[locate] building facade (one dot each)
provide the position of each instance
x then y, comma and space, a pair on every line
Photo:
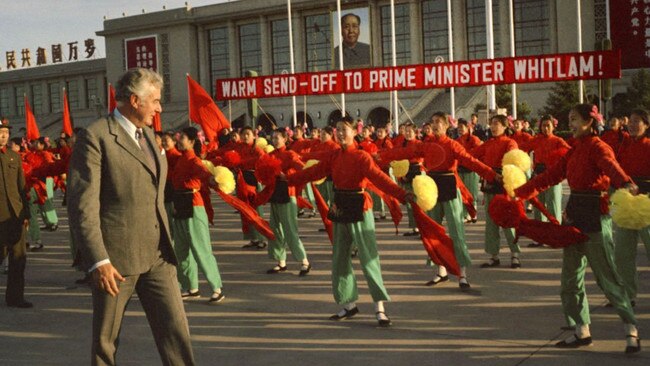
229, 39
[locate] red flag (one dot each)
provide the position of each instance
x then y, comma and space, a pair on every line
157, 124
249, 213
112, 104
30, 122
323, 210
438, 245
67, 122
204, 112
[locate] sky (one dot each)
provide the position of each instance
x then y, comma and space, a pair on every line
41, 23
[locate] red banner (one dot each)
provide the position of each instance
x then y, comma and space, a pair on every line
510, 70
630, 27
141, 52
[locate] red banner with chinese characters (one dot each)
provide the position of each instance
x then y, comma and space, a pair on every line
510, 70
630, 29
142, 52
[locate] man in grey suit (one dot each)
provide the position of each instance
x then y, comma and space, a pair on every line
118, 221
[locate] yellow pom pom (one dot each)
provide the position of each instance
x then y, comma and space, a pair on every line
630, 212
517, 158
400, 168
310, 163
268, 149
208, 164
426, 191
225, 179
513, 178
261, 142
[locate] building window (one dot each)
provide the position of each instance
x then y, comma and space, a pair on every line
435, 34
72, 87
250, 48
19, 92
532, 33
4, 102
318, 44
92, 96
402, 35
476, 35
280, 46
55, 97
37, 98
600, 19
219, 55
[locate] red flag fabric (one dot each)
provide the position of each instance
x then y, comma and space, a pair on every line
157, 124
466, 196
245, 193
112, 104
207, 203
30, 122
438, 244
392, 203
302, 203
249, 213
323, 210
204, 112
67, 122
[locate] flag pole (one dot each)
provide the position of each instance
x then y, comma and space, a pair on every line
580, 84
187, 80
452, 90
292, 61
512, 54
489, 32
394, 52
108, 98
338, 10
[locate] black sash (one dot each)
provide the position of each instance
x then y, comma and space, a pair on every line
446, 182
539, 168
463, 170
415, 169
347, 207
643, 183
494, 187
249, 177
169, 192
583, 211
281, 192
183, 208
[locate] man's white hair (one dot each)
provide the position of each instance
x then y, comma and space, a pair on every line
137, 81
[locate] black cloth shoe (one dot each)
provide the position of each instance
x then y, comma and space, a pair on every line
304, 270
464, 285
355, 253
436, 280
577, 342
492, 262
633, 349
251, 244
261, 245
21, 304
277, 269
411, 233
37, 248
535, 245
52, 228
189, 295
383, 322
216, 297
346, 315
515, 262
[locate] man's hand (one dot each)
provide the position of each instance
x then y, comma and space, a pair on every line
104, 278
633, 188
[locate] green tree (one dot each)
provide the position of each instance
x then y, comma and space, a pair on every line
637, 95
503, 96
560, 100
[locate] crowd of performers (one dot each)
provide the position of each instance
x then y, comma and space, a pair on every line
344, 173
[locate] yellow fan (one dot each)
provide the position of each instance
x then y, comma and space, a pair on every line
517, 158
309, 164
261, 142
400, 168
224, 178
513, 178
630, 212
426, 191
268, 149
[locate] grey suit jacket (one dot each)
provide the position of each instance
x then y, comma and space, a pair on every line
115, 201
13, 203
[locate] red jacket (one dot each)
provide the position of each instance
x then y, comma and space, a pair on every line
190, 173
492, 151
547, 149
634, 156
290, 162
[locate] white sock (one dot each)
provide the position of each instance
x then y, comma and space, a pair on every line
282, 263
515, 255
442, 271
463, 272
630, 329
305, 262
463, 280
582, 331
349, 306
379, 306
217, 291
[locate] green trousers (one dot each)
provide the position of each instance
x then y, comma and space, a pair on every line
598, 252
492, 238
362, 235
552, 200
193, 247
48, 213
326, 190
470, 180
452, 212
34, 232
378, 204
308, 193
626, 241
284, 223
409, 211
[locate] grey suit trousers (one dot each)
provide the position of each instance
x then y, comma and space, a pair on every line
158, 292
